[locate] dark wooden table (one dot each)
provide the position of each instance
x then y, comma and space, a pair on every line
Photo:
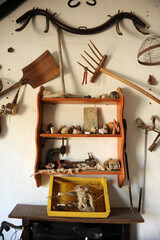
123, 216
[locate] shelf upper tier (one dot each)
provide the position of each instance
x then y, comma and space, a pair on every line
60, 135
81, 101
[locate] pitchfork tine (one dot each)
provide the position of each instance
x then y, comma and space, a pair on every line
94, 52
88, 62
96, 48
85, 67
91, 57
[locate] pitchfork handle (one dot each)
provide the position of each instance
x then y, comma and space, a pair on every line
130, 84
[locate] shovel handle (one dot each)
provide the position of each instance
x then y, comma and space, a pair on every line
130, 84
16, 85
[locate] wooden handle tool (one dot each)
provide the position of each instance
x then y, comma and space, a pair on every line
99, 68
154, 144
130, 84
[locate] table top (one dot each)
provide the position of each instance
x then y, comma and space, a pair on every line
39, 212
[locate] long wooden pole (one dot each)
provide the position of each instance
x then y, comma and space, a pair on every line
129, 84
60, 60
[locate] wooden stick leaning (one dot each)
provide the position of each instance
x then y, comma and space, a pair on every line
62, 94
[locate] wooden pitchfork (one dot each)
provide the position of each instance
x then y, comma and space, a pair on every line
99, 68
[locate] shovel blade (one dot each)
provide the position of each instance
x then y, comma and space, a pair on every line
42, 70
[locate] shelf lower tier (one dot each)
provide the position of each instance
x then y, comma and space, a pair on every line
59, 135
91, 172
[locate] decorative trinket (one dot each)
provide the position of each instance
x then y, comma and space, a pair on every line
47, 93
94, 130
110, 127
53, 130
112, 164
103, 96
64, 130
76, 131
116, 125
114, 95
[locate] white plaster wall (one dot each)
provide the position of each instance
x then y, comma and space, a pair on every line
17, 139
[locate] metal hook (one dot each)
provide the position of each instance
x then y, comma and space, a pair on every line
92, 4
76, 5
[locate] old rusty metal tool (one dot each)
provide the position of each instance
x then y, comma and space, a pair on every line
154, 144
126, 162
153, 128
99, 68
40, 71
11, 108
141, 193
138, 23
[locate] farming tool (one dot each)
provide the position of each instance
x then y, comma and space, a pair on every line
153, 128
40, 71
126, 162
99, 68
141, 193
138, 23
154, 144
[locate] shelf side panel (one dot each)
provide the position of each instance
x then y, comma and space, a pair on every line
38, 139
120, 141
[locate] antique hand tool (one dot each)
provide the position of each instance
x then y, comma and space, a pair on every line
54, 152
40, 71
154, 144
153, 128
126, 162
141, 193
138, 23
11, 108
57, 163
99, 68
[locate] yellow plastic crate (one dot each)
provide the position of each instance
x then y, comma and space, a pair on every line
59, 186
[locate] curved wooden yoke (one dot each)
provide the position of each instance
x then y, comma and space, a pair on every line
138, 23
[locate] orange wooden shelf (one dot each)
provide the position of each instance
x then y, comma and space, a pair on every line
81, 101
91, 172
59, 135
41, 101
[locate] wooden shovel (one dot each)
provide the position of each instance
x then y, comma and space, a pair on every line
40, 71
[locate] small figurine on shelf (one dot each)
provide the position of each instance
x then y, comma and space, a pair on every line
112, 164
